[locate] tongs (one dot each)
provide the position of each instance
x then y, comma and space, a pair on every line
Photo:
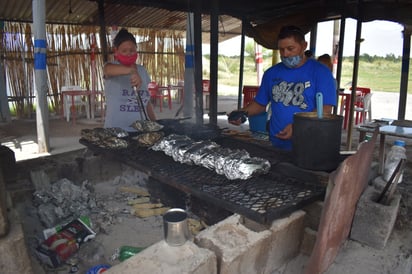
143, 113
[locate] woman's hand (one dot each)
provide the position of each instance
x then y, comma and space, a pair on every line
286, 133
135, 79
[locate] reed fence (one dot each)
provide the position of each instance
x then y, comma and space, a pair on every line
69, 50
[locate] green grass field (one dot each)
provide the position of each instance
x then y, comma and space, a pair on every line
378, 73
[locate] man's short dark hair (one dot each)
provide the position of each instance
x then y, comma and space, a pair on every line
325, 57
122, 36
308, 53
291, 31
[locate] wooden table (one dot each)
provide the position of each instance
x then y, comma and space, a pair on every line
391, 130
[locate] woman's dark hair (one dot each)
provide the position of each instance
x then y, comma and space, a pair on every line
291, 31
121, 36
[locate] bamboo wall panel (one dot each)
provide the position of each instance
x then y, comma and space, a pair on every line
69, 62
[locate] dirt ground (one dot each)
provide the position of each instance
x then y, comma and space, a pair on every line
111, 218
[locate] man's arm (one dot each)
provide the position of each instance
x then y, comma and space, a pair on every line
252, 109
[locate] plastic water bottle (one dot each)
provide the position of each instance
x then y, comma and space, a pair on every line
393, 157
128, 251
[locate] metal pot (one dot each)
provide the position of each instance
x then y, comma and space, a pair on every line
176, 230
316, 141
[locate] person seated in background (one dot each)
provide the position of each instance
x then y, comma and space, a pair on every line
126, 85
308, 53
326, 59
290, 87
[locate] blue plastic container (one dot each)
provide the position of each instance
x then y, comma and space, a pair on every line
257, 123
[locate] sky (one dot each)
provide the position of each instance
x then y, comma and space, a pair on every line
380, 38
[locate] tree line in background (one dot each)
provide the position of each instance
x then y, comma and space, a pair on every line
376, 72
368, 58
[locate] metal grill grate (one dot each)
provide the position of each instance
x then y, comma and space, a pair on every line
262, 198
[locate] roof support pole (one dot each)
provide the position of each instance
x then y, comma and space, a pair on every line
354, 82
313, 38
405, 72
338, 57
102, 33
4, 104
40, 75
241, 65
198, 63
189, 86
214, 47
335, 44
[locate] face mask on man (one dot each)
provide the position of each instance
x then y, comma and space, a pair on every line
126, 60
291, 61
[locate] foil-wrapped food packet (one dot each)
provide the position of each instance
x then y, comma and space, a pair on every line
222, 160
213, 156
245, 168
233, 163
176, 146
179, 152
197, 151
169, 142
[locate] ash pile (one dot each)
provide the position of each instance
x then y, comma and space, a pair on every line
107, 217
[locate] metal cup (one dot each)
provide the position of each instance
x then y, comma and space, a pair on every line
176, 230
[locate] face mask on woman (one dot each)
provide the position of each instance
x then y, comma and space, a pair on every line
127, 60
291, 61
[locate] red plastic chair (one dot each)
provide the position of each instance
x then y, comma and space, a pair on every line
158, 93
249, 93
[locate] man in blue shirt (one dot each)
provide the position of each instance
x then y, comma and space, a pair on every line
290, 87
